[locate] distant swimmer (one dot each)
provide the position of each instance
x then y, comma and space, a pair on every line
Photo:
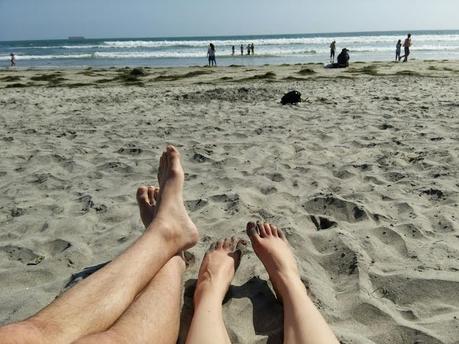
233, 50
253, 49
406, 45
248, 49
211, 55
332, 51
398, 50
13, 60
242, 49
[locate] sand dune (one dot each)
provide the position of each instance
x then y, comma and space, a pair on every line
362, 175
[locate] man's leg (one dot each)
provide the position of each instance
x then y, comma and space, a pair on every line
215, 276
302, 321
96, 303
154, 316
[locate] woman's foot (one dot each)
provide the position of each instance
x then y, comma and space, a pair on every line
272, 248
171, 217
217, 270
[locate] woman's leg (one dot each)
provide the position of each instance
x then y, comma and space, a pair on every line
302, 321
96, 303
215, 275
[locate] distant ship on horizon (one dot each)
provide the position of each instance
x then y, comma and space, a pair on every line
76, 38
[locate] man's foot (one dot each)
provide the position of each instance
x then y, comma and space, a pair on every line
171, 216
217, 270
272, 248
147, 197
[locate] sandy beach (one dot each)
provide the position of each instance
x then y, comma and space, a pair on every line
363, 176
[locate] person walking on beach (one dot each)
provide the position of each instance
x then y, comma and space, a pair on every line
136, 298
242, 49
406, 47
332, 51
398, 50
252, 47
13, 60
211, 55
233, 49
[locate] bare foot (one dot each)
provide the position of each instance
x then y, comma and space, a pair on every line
272, 248
217, 269
147, 197
171, 216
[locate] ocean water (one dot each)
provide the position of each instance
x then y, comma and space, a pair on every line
191, 51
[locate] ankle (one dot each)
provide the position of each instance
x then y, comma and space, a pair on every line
208, 292
287, 281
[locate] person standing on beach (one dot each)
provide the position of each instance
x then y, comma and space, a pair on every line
13, 60
332, 51
398, 50
253, 49
406, 46
242, 49
248, 49
211, 55
233, 50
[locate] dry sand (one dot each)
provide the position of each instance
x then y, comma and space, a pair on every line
362, 175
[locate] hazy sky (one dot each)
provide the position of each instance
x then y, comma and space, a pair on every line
46, 19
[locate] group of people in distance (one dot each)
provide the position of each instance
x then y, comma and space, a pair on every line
343, 57
211, 52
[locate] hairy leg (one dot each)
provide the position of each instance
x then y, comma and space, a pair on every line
154, 316
215, 275
303, 323
96, 303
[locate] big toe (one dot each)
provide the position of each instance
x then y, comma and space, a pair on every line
252, 232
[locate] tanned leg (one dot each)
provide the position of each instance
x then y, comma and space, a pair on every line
96, 303
302, 321
215, 275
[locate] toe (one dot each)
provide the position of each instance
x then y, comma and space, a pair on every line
142, 195
212, 247
273, 230
261, 230
220, 244
281, 234
151, 195
267, 229
156, 194
227, 244
252, 231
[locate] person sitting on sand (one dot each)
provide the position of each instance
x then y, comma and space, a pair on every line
342, 60
398, 50
211, 55
136, 298
13, 60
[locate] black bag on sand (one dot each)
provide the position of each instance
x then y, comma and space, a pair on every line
292, 97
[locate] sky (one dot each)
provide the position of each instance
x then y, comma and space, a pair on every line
55, 19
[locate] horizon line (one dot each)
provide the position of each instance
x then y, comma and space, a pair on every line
229, 35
